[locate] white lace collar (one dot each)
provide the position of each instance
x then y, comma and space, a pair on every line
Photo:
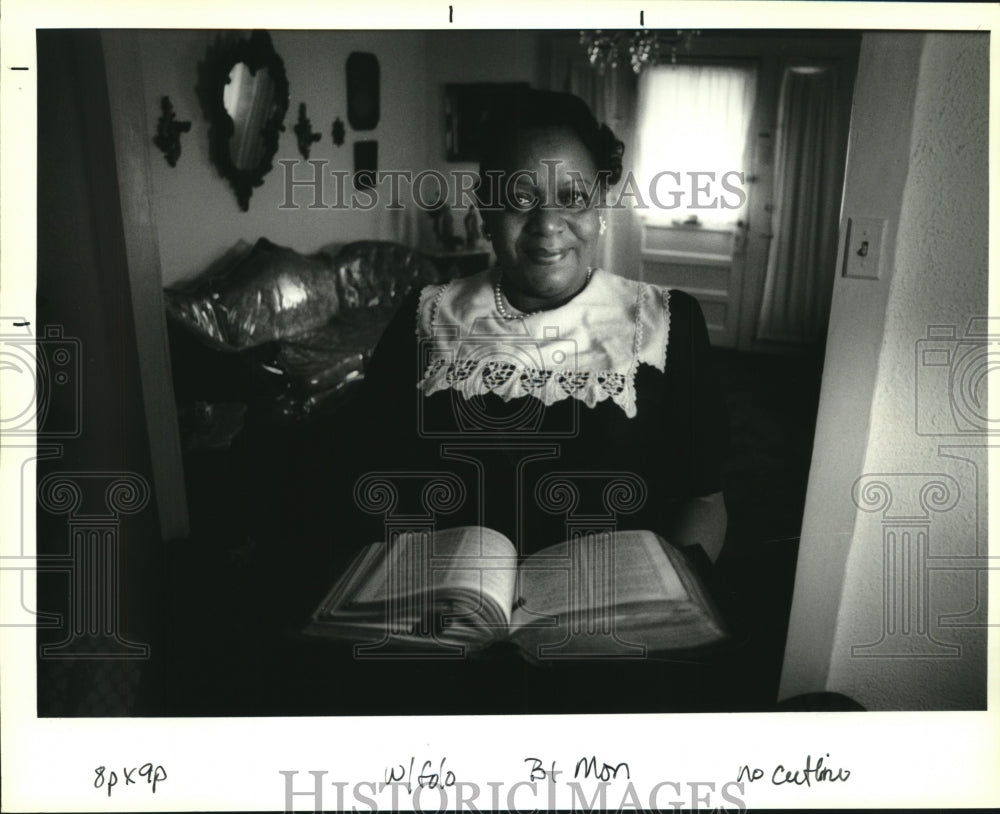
587, 349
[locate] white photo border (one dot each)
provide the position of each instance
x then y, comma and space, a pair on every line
918, 759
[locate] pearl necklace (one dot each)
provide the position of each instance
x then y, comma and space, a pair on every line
502, 309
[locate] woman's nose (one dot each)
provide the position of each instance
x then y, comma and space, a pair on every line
546, 220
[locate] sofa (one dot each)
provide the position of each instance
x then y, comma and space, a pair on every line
275, 336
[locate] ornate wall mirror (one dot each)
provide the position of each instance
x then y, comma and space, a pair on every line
244, 94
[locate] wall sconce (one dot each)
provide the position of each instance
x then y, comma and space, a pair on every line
168, 132
304, 134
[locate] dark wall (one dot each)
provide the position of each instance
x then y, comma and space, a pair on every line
98, 491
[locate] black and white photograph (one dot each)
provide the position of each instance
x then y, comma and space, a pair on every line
439, 381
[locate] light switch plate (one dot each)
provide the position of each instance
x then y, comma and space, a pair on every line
863, 255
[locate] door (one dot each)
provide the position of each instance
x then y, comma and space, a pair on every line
706, 262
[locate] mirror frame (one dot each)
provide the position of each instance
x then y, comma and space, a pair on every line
228, 50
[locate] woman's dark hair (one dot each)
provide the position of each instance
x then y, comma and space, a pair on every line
529, 109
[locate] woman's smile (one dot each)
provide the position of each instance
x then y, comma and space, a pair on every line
546, 257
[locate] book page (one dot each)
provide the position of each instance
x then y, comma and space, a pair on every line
468, 559
630, 568
612, 595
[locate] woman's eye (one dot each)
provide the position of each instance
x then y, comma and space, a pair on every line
523, 200
573, 199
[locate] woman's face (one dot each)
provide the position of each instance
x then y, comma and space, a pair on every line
545, 237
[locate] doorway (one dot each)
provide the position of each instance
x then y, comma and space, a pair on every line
752, 233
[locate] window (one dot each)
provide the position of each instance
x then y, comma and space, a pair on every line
692, 157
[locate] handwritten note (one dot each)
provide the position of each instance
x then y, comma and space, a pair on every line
428, 778
804, 775
586, 767
589, 781
105, 778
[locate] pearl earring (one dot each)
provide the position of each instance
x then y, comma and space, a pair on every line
604, 226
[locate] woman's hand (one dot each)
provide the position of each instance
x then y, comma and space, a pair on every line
699, 521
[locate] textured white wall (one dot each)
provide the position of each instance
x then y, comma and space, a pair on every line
875, 177
940, 279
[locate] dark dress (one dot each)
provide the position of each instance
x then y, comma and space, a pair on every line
538, 473
515, 462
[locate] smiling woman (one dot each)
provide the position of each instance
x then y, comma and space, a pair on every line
548, 366
545, 171
546, 239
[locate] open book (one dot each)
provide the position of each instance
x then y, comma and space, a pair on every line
625, 593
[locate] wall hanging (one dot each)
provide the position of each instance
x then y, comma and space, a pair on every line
168, 132
244, 94
365, 164
304, 132
362, 90
466, 107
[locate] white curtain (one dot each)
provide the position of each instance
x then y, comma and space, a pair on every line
803, 251
694, 119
